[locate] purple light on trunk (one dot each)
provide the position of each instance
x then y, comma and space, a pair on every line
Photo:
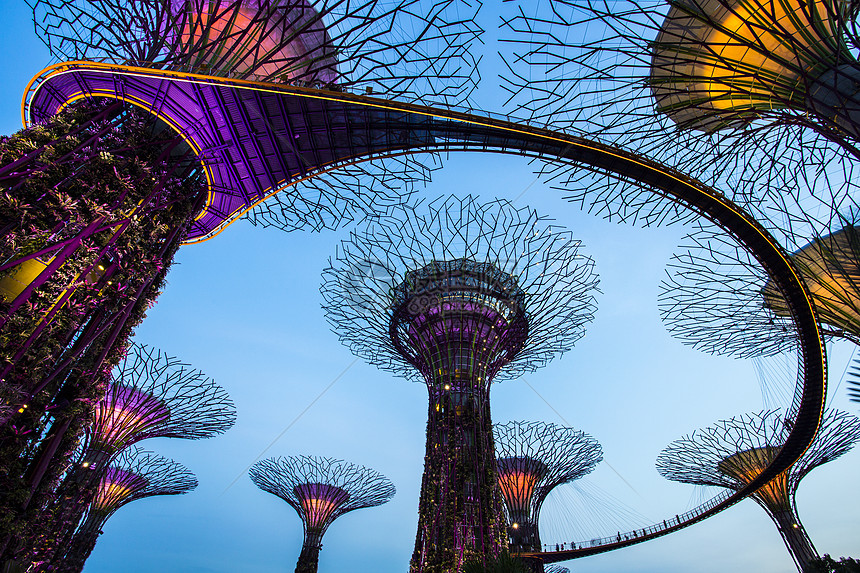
458, 322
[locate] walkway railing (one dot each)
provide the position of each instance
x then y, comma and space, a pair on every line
563, 551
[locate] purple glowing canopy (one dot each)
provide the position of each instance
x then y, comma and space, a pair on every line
319, 502
124, 415
116, 487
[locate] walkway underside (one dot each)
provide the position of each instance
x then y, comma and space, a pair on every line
255, 139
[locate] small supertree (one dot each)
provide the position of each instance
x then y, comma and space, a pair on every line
320, 490
532, 459
134, 474
457, 296
152, 395
733, 452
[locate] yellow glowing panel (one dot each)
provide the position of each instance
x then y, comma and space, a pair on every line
517, 488
318, 511
109, 495
15, 282
747, 465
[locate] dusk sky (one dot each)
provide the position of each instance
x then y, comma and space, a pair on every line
244, 307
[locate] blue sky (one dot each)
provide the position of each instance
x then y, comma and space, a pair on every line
245, 308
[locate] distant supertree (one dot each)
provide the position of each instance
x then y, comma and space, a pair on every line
457, 296
320, 490
756, 97
152, 395
733, 452
134, 475
532, 459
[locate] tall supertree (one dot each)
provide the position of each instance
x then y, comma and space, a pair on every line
320, 490
456, 296
152, 395
101, 192
533, 458
733, 452
134, 474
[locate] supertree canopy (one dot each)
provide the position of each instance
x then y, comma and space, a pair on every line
719, 299
756, 97
320, 490
458, 296
532, 459
405, 49
134, 475
733, 452
155, 395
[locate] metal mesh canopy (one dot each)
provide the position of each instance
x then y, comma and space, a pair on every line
408, 48
493, 255
321, 489
535, 457
732, 452
716, 297
532, 459
156, 395
136, 474
660, 77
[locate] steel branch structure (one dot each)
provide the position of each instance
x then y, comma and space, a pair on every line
458, 295
719, 299
733, 452
532, 459
407, 49
134, 475
320, 490
155, 395
757, 97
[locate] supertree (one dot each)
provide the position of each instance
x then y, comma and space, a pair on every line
105, 185
757, 97
533, 458
457, 296
152, 395
134, 474
320, 490
733, 452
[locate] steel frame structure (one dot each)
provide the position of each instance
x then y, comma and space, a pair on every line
718, 299
733, 452
134, 474
533, 458
444, 130
320, 490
